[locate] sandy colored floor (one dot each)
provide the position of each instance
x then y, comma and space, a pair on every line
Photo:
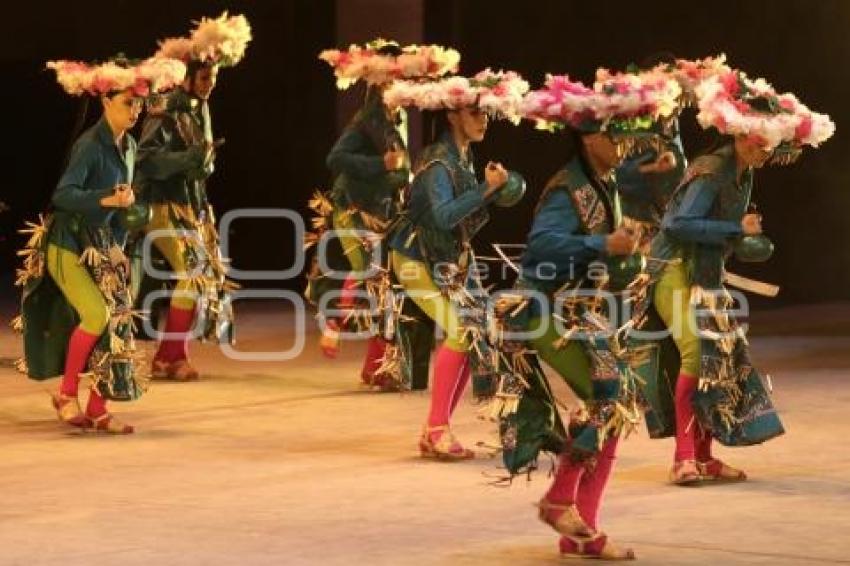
293, 463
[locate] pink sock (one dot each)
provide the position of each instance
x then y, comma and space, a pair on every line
448, 371
686, 426
346, 294
178, 321
96, 405
564, 489
703, 446
461, 386
79, 347
375, 348
593, 483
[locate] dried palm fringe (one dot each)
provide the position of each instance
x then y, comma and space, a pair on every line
107, 269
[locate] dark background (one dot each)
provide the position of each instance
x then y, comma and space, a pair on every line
277, 108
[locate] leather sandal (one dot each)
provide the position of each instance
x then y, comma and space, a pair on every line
109, 424
446, 448
599, 546
567, 523
68, 409
716, 471
685, 472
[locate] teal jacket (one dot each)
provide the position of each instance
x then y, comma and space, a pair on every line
569, 231
171, 152
96, 166
704, 217
357, 161
446, 207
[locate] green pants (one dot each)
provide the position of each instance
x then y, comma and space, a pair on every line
78, 287
571, 361
352, 245
415, 277
672, 301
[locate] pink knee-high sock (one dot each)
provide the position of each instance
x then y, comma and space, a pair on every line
375, 349
96, 405
686, 426
179, 321
592, 487
703, 446
79, 347
448, 371
564, 490
347, 293
461, 386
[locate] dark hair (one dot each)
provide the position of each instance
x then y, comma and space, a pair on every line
194, 66
390, 49
436, 124
716, 141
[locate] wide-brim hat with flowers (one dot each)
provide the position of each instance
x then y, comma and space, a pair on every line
623, 104
220, 41
382, 61
734, 104
151, 76
498, 93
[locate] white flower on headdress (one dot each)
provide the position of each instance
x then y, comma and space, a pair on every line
724, 102
366, 63
219, 41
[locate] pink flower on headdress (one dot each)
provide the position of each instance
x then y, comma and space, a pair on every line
730, 83
804, 128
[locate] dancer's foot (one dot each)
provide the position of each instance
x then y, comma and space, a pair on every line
108, 424
179, 370
715, 470
439, 443
598, 546
68, 409
564, 518
329, 342
685, 472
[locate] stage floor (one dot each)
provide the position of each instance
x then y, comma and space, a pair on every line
293, 463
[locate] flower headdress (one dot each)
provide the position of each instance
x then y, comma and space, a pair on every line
215, 41
382, 61
151, 76
734, 104
690, 73
618, 103
498, 93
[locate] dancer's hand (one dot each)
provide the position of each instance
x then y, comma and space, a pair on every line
394, 160
621, 242
665, 162
751, 224
495, 175
122, 197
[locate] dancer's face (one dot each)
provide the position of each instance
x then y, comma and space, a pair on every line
122, 110
602, 149
203, 82
468, 123
750, 152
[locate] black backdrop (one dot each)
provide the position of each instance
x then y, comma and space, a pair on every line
276, 108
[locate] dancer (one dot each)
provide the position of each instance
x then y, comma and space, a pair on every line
176, 157
431, 251
709, 216
577, 232
371, 169
77, 315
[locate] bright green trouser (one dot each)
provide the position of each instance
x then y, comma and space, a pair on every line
79, 289
571, 361
672, 300
415, 277
352, 245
